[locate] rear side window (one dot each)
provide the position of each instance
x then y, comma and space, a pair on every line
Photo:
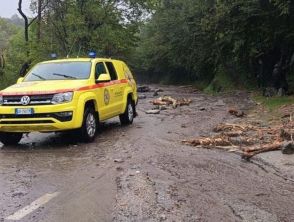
111, 70
100, 69
127, 72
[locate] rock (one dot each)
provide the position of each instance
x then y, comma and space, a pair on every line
237, 113
220, 102
143, 89
119, 169
118, 160
158, 90
162, 217
288, 148
142, 96
281, 92
163, 108
155, 94
155, 111
202, 109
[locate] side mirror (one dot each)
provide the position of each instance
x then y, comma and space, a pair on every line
103, 78
20, 80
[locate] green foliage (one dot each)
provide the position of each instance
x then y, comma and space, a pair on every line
6, 31
215, 43
195, 39
273, 103
73, 28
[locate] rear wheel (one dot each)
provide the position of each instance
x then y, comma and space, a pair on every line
127, 117
10, 138
89, 127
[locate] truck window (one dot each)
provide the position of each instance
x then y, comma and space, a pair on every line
111, 70
100, 69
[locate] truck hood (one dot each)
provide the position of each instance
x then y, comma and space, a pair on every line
44, 87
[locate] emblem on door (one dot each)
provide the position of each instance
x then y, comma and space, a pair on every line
106, 97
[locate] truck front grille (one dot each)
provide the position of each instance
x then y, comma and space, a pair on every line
34, 100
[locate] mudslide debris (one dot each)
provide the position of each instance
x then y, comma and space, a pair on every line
168, 100
236, 112
247, 139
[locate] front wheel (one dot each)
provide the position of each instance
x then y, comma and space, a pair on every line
127, 117
10, 138
89, 127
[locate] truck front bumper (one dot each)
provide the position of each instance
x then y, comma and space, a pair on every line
46, 118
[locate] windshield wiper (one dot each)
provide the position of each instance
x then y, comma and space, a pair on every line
40, 77
65, 76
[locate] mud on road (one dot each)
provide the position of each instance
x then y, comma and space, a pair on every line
143, 172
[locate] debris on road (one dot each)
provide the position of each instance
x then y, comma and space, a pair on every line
156, 92
249, 140
142, 96
143, 89
250, 152
237, 113
288, 148
118, 160
153, 111
168, 100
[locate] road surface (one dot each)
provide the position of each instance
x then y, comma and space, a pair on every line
142, 172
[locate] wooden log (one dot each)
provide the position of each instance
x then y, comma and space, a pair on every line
250, 152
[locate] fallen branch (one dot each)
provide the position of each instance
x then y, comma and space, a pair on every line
167, 100
224, 127
208, 142
250, 152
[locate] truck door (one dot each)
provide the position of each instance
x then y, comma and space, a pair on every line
103, 93
116, 91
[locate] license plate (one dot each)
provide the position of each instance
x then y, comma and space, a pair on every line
24, 111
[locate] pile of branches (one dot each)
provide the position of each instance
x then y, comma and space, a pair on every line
246, 139
168, 100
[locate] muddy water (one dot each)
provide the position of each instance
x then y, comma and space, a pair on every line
143, 172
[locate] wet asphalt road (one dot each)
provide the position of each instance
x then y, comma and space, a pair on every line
142, 172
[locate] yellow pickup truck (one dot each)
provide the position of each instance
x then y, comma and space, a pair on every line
68, 95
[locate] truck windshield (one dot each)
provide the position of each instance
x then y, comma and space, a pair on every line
59, 71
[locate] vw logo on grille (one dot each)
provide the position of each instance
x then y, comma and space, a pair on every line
25, 100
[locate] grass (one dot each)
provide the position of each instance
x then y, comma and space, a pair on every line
273, 103
221, 83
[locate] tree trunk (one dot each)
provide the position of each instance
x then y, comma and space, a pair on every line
39, 19
26, 25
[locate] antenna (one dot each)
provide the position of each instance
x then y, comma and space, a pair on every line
79, 51
67, 56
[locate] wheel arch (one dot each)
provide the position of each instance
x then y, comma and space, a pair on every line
88, 99
128, 95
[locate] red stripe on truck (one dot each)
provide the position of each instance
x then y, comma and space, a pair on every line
95, 86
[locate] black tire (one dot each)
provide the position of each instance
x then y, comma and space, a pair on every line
90, 124
10, 138
128, 116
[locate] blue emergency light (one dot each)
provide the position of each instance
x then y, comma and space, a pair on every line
53, 56
92, 54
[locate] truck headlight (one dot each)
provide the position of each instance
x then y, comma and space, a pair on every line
1, 100
62, 98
